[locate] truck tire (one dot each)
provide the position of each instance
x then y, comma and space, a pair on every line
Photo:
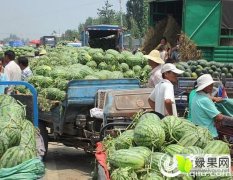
44, 134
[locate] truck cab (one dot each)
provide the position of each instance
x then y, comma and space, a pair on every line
48, 41
103, 36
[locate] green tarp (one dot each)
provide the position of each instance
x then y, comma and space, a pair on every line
225, 107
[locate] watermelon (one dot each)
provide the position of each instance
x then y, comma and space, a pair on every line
173, 149
192, 150
152, 176
149, 133
155, 160
53, 94
124, 173
4, 144
13, 135
174, 128
28, 138
124, 67
144, 151
125, 140
16, 155
6, 100
217, 147
125, 158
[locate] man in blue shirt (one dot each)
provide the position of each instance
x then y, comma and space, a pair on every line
204, 112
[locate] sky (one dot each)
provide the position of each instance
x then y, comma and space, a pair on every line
35, 18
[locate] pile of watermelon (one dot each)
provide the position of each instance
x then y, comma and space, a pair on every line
196, 68
21, 51
53, 71
17, 135
136, 153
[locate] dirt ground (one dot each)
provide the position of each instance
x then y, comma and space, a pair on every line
67, 163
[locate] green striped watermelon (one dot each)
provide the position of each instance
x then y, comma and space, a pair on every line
126, 158
189, 139
28, 137
126, 173
204, 137
4, 144
144, 151
125, 140
6, 100
13, 135
173, 149
149, 133
217, 147
192, 150
152, 176
173, 127
16, 155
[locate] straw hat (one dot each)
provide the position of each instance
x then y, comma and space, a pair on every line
204, 81
154, 56
42, 52
170, 67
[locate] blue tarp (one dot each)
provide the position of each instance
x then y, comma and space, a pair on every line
16, 43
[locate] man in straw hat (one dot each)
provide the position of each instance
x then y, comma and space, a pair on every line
203, 110
155, 62
162, 98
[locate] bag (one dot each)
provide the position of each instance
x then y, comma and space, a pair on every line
30, 169
97, 113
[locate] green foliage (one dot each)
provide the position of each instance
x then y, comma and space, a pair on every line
137, 11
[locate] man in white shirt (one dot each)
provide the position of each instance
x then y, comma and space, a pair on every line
12, 69
162, 98
155, 62
26, 71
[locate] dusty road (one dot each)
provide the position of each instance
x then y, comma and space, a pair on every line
66, 163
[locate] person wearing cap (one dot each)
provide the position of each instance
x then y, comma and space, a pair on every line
203, 110
162, 98
42, 52
155, 62
190, 100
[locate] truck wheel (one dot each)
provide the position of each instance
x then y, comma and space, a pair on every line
44, 134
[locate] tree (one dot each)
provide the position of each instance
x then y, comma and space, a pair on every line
137, 14
70, 35
106, 14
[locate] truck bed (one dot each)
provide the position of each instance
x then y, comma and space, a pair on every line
83, 92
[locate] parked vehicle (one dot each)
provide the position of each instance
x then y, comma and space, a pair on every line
70, 121
103, 36
48, 41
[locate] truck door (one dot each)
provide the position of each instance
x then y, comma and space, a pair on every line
202, 21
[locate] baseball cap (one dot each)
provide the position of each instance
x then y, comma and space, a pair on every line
170, 67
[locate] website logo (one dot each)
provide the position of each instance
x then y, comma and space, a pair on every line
195, 165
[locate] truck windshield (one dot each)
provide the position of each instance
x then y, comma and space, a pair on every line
49, 41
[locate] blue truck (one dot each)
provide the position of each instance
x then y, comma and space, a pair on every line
71, 122
103, 36
48, 41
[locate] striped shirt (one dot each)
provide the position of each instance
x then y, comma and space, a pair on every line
26, 73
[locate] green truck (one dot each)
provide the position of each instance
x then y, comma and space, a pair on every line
209, 23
